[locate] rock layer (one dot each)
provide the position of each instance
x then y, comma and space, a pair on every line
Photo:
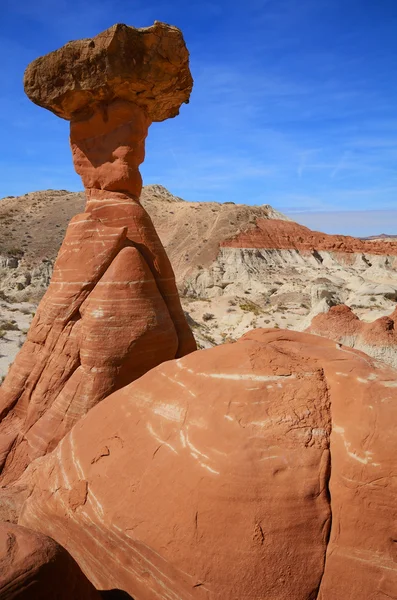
35, 567
288, 235
112, 310
260, 469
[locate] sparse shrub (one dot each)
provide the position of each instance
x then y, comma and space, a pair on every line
210, 339
15, 252
8, 326
249, 306
208, 317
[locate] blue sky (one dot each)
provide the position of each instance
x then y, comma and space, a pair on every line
294, 104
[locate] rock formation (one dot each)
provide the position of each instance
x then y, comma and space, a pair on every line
288, 235
112, 310
259, 469
377, 338
35, 567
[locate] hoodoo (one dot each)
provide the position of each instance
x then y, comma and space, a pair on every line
112, 311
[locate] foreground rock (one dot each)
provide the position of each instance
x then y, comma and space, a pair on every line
112, 311
35, 567
260, 469
377, 338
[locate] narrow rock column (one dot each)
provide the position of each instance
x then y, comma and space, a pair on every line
107, 150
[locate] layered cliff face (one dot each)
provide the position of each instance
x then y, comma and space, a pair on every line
259, 469
112, 310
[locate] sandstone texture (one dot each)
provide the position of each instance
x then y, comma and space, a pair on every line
259, 469
35, 567
377, 338
148, 67
112, 310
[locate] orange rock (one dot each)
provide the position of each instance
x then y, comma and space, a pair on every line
377, 338
34, 567
112, 310
259, 469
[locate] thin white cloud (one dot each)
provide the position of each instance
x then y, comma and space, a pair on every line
356, 223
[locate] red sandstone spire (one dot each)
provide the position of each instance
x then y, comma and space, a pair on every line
112, 310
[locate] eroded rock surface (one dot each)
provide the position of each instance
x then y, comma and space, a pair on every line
112, 310
377, 338
148, 67
259, 469
35, 567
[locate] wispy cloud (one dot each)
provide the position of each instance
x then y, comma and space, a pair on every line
292, 105
357, 223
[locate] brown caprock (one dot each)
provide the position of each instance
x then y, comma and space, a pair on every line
112, 310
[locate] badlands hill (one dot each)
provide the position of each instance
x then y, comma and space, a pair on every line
237, 266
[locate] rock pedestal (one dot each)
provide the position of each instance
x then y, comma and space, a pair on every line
112, 310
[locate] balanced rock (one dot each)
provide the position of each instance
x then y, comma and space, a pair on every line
377, 338
35, 567
112, 310
259, 469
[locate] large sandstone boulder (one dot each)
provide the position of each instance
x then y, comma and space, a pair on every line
35, 567
259, 469
112, 310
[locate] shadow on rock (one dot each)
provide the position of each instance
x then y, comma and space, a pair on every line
115, 595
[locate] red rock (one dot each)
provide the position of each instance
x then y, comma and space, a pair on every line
377, 338
112, 310
35, 567
285, 235
259, 469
